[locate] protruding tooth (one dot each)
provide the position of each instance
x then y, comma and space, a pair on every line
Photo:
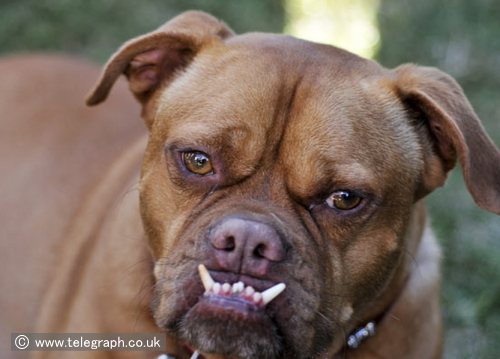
216, 288
226, 288
257, 297
206, 279
249, 291
271, 293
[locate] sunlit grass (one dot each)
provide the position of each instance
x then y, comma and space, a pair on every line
349, 24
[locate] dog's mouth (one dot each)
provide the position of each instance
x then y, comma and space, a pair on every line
231, 320
236, 296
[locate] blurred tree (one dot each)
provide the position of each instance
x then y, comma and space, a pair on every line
461, 37
348, 24
95, 28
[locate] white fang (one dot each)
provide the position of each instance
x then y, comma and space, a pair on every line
271, 293
206, 279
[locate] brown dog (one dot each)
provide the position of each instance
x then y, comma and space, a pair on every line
292, 171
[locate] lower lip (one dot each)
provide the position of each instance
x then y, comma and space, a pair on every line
220, 311
233, 306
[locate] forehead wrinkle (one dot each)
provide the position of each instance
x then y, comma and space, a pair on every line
209, 133
350, 135
314, 139
336, 133
354, 174
248, 111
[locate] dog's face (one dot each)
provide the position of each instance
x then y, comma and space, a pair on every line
264, 172
278, 163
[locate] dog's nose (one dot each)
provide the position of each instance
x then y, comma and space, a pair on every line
246, 246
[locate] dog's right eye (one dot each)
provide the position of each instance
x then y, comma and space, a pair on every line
344, 200
197, 162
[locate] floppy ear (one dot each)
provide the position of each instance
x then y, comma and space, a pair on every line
452, 130
153, 59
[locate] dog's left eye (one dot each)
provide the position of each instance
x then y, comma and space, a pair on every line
343, 200
198, 163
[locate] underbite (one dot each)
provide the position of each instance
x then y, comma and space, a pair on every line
225, 293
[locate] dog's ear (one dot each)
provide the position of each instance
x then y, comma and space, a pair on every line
450, 130
150, 60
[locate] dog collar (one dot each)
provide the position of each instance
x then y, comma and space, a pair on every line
360, 335
353, 341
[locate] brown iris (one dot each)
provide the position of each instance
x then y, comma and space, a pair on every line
343, 200
197, 162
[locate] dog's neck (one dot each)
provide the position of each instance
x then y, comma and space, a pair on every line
397, 285
397, 311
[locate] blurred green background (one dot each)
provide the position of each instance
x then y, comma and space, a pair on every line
461, 37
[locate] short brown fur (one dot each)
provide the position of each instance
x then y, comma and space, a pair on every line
286, 123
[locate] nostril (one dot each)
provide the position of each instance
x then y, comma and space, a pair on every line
246, 245
230, 244
260, 251
224, 242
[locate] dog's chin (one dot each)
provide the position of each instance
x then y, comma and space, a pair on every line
230, 328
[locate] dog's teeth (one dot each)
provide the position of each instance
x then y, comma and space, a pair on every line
249, 291
226, 288
206, 279
271, 293
238, 287
257, 297
216, 288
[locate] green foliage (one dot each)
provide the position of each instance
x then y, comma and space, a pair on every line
460, 37
95, 28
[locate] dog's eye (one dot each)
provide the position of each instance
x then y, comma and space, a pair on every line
198, 163
343, 200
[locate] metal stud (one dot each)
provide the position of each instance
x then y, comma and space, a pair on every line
354, 340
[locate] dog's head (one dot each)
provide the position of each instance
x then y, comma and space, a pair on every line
290, 171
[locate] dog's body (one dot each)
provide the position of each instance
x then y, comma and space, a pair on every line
59, 194
269, 160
